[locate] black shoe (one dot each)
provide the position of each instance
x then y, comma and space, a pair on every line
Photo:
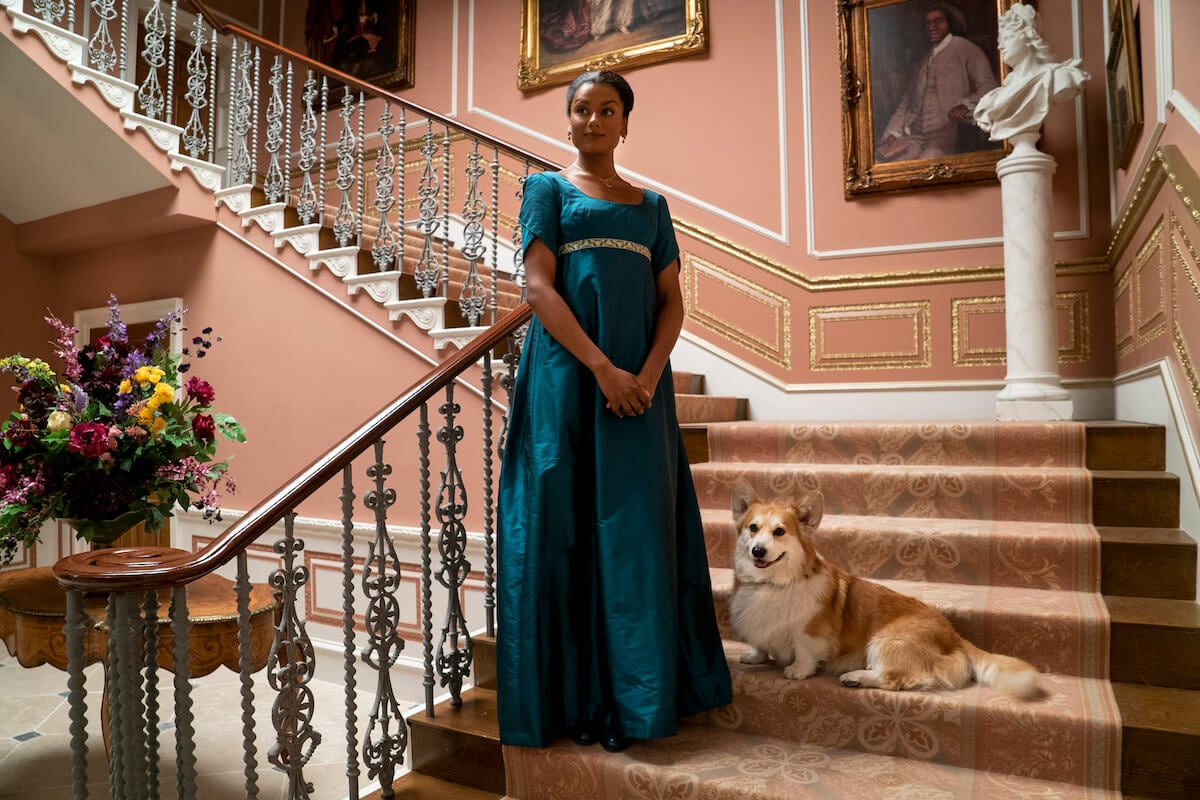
614, 742
583, 735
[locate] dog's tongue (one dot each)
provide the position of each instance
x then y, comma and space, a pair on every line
758, 562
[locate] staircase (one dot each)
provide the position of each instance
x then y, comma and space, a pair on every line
991, 524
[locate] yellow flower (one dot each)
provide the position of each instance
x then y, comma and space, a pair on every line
153, 403
145, 415
156, 374
58, 421
163, 392
158, 425
125, 388
64, 388
142, 375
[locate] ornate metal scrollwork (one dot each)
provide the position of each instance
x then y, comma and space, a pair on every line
454, 651
344, 222
426, 270
290, 668
306, 203
102, 52
239, 117
195, 141
150, 94
386, 737
385, 248
273, 181
473, 297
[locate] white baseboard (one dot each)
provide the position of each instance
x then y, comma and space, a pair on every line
1149, 394
923, 400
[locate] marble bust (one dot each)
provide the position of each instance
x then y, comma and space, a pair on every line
1035, 82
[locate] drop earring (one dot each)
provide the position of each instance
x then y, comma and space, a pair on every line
569, 135
623, 138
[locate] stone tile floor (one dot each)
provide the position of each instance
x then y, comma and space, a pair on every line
35, 751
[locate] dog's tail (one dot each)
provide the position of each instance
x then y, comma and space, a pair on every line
1006, 674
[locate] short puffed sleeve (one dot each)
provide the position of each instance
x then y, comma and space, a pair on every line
541, 212
666, 248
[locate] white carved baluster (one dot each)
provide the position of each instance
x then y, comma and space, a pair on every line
344, 223
195, 141
383, 251
239, 117
473, 297
273, 181
150, 93
306, 203
426, 271
102, 52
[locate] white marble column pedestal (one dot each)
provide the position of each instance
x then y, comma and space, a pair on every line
1033, 387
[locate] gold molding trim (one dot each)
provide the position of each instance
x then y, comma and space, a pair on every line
1177, 229
1150, 328
833, 283
1183, 179
779, 352
1075, 351
1185, 361
921, 355
1124, 285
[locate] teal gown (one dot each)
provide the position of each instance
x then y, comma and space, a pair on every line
604, 599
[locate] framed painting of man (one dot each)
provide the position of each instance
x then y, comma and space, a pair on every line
373, 40
912, 72
562, 38
1123, 70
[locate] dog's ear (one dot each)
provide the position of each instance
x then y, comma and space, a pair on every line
743, 496
810, 510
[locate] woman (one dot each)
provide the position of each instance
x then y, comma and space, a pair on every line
606, 623
1035, 82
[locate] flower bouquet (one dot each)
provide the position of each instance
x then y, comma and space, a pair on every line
113, 441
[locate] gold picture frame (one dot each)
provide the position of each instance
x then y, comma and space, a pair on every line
562, 38
1124, 73
374, 41
884, 47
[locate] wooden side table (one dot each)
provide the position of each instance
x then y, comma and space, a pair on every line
33, 610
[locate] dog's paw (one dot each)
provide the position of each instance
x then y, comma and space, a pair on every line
798, 673
858, 678
754, 656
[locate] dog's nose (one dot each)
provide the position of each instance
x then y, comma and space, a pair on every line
758, 551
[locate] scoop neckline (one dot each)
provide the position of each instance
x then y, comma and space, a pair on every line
566, 180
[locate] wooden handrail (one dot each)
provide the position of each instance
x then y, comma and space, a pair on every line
371, 89
142, 569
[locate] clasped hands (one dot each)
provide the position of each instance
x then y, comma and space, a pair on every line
626, 394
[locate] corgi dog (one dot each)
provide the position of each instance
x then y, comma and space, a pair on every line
791, 605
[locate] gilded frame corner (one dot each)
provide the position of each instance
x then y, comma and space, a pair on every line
539, 70
864, 173
1123, 71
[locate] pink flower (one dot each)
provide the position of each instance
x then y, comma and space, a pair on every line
204, 427
89, 439
200, 391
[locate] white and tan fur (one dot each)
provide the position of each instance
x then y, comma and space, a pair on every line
791, 605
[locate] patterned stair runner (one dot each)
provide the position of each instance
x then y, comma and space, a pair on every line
988, 523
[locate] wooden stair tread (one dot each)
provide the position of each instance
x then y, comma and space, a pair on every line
418, 786
476, 715
1146, 536
1153, 611
1158, 708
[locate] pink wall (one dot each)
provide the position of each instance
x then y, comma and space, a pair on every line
21, 328
726, 137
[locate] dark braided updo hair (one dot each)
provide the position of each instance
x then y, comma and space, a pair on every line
608, 78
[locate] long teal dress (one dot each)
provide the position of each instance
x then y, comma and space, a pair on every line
604, 600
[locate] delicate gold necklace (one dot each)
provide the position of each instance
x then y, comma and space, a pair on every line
608, 182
